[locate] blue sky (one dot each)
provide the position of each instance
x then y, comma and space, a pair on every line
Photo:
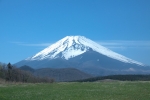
28, 26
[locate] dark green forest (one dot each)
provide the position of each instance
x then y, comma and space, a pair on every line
119, 77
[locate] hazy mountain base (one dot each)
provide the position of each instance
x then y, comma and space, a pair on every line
91, 63
62, 75
71, 74
59, 74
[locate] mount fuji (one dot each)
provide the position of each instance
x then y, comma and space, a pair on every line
85, 55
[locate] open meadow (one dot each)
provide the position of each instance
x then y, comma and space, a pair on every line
115, 90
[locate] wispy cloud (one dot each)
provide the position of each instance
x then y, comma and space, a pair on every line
112, 44
32, 44
119, 44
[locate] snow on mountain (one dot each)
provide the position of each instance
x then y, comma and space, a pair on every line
72, 46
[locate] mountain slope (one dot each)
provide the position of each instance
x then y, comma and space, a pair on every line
83, 54
72, 46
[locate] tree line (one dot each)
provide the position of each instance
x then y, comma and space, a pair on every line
10, 73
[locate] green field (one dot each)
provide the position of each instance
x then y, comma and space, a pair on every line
77, 91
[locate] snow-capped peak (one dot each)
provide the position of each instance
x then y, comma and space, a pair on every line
72, 46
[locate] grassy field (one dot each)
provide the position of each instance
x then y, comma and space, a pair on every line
77, 91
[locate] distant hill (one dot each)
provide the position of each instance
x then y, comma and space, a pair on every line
27, 68
62, 74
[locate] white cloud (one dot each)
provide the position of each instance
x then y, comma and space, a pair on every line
111, 44
118, 44
32, 44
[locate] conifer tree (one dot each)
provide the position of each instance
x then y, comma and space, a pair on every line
9, 68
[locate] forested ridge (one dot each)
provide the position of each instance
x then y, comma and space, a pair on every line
10, 73
119, 77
